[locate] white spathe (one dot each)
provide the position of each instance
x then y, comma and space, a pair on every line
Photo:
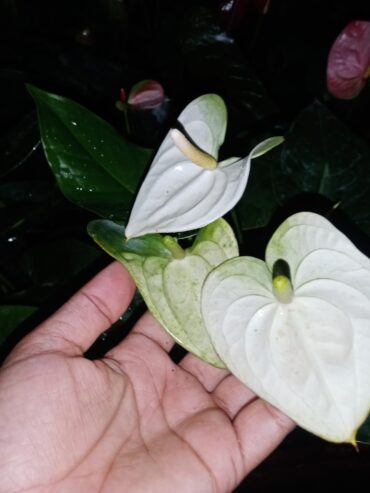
179, 195
310, 357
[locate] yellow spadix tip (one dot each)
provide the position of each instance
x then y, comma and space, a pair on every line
283, 289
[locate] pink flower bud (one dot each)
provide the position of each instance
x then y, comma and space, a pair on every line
122, 95
349, 61
146, 94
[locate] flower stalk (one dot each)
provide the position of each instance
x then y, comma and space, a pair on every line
176, 250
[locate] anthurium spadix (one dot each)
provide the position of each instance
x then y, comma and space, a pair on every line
186, 187
296, 329
169, 278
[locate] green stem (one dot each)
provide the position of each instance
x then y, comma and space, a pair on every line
176, 250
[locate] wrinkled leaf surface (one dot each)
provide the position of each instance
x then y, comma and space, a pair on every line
171, 287
309, 357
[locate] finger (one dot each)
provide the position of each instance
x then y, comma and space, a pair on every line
231, 395
260, 428
149, 327
77, 324
209, 376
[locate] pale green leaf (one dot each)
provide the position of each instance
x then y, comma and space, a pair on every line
172, 287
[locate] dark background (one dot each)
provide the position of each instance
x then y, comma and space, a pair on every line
267, 66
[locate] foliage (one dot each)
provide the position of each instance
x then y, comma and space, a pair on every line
94, 166
171, 289
270, 71
321, 155
11, 316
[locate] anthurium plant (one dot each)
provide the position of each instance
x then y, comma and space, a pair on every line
170, 278
186, 187
294, 328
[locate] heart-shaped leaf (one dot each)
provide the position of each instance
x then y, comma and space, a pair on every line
321, 155
171, 287
95, 167
308, 356
259, 202
181, 190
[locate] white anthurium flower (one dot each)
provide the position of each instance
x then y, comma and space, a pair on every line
170, 279
301, 341
186, 188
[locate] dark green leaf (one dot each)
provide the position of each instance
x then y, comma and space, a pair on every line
321, 155
363, 435
259, 201
214, 61
110, 237
11, 316
94, 166
58, 261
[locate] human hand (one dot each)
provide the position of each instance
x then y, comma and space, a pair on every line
133, 421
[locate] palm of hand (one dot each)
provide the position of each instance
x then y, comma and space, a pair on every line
133, 421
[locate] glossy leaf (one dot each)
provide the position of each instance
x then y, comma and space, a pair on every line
180, 195
111, 237
171, 287
310, 356
259, 201
322, 155
11, 316
94, 166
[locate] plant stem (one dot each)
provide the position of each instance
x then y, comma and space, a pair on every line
176, 250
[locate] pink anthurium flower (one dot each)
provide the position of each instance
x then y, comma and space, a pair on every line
349, 61
146, 94
146, 109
